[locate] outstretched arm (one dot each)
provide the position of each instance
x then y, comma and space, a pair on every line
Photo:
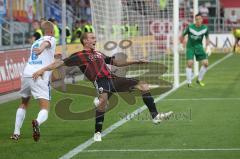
126, 63
72, 60
57, 63
42, 47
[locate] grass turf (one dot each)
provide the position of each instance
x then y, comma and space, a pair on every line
196, 124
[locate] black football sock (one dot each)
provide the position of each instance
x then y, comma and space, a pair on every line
99, 121
149, 101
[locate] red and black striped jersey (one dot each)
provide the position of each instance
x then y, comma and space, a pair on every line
92, 63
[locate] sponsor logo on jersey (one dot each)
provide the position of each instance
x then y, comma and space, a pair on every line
35, 62
34, 56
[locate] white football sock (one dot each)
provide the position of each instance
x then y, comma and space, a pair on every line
42, 116
20, 115
189, 75
202, 72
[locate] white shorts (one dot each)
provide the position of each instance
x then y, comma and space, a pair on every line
38, 89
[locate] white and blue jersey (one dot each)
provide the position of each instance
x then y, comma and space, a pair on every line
39, 88
36, 62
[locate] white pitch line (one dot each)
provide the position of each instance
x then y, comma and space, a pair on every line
162, 150
90, 141
219, 61
197, 99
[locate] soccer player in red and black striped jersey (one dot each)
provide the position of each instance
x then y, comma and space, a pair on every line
94, 65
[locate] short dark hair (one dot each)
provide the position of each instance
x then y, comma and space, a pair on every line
199, 14
83, 37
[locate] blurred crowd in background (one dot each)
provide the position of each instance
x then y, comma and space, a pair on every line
20, 20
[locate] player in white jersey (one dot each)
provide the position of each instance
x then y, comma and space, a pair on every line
41, 55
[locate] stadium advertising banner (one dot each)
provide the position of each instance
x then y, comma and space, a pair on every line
11, 67
221, 42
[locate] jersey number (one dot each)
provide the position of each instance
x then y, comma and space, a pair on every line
34, 56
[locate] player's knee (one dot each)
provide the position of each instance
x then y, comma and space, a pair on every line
102, 103
205, 63
189, 64
102, 106
25, 102
143, 87
23, 106
43, 103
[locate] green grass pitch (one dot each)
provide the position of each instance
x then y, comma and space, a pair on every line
205, 118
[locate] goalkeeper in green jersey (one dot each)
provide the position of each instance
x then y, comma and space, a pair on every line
195, 33
236, 33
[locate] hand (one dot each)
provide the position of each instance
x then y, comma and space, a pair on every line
37, 74
181, 39
37, 51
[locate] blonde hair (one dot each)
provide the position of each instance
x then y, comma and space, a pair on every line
47, 26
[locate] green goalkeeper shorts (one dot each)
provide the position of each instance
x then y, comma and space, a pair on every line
198, 52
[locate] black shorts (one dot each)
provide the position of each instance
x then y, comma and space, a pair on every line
116, 84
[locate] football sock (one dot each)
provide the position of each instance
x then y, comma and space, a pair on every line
99, 121
189, 75
20, 115
149, 102
202, 72
42, 116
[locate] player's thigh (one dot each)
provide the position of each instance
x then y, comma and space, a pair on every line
200, 54
25, 90
40, 89
143, 87
190, 53
122, 84
103, 98
201, 57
